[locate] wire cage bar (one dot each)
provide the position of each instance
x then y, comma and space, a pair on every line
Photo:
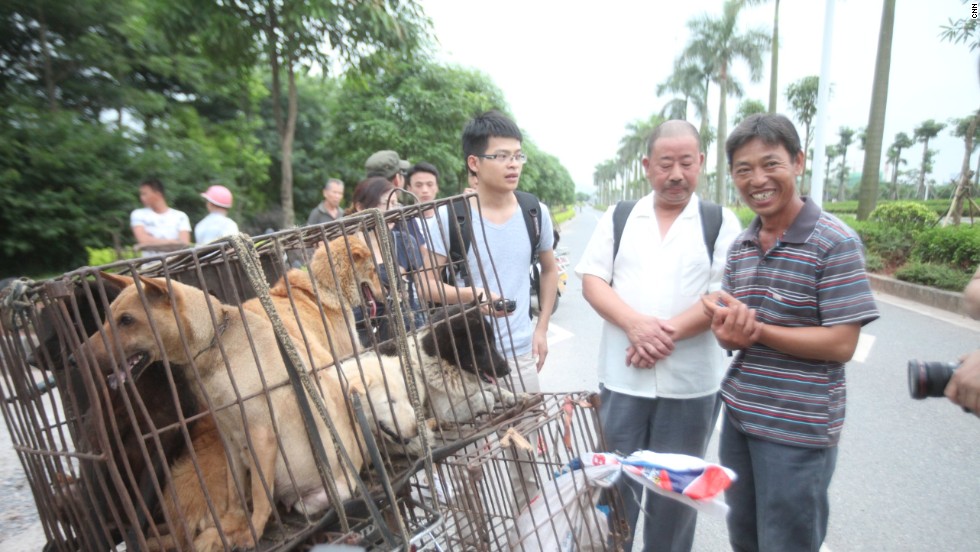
233, 394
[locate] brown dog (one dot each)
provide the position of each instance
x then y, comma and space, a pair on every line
319, 324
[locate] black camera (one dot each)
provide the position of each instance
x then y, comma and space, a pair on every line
929, 379
508, 305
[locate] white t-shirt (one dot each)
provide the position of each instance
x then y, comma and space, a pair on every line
214, 226
506, 248
166, 225
660, 277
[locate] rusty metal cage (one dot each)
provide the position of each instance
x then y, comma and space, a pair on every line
486, 487
295, 346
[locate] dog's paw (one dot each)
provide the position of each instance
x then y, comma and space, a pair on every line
507, 398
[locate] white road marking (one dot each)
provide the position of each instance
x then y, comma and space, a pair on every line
557, 334
863, 349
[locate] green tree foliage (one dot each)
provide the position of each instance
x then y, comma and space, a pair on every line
846, 139
746, 108
718, 44
923, 133
802, 98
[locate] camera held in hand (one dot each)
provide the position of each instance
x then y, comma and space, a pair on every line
929, 379
508, 305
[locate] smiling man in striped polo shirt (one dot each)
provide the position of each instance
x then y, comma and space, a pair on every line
795, 295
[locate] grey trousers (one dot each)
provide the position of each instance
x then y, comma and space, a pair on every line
779, 501
680, 426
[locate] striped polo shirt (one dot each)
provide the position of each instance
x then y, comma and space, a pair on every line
813, 276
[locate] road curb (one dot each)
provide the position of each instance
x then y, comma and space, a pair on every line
937, 298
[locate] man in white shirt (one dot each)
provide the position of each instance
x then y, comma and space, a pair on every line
217, 224
157, 227
659, 364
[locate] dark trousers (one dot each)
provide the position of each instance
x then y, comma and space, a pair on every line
779, 501
680, 426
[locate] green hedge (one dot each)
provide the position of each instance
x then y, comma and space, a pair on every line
955, 246
934, 275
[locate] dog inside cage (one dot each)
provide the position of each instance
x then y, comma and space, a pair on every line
302, 387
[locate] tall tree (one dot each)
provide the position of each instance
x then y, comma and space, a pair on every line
291, 36
902, 141
894, 158
872, 143
868, 192
846, 139
718, 42
967, 129
964, 30
802, 98
690, 80
774, 57
832, 152
923, 133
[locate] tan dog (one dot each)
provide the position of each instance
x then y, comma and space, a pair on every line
356, 277
189, 337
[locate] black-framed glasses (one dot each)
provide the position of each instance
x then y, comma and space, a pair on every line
518, 157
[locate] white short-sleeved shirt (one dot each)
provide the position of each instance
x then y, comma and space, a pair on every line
214, 226
166, 225
507, 248
660, 277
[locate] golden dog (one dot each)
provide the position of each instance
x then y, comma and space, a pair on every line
223, 367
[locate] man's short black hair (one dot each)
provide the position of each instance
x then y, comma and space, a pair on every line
772, 128
492, 124
154, 184
422, 167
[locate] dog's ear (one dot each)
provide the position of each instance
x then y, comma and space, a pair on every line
155, 289
117, 281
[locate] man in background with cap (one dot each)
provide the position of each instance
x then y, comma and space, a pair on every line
329, 209
217, 224
387, 164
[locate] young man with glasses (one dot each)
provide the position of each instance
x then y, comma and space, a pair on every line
493, 156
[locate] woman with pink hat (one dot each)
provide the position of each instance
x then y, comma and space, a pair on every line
217, 224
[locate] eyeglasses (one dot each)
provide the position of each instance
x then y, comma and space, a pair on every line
518, 157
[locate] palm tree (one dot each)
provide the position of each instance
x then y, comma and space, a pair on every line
691, 81
802, 98
846, 139
774, 59
717, 43
902, 141
923, 133
831, 153
868, 192
894, 157
747, 108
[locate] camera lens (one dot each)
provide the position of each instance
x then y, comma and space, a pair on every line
929, 379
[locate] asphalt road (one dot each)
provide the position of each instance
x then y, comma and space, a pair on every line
908, 472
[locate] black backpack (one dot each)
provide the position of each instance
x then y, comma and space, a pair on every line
710, 224
461, 234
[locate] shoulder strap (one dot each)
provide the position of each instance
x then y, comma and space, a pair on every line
531, 209
460, 233
622, 212
710, 225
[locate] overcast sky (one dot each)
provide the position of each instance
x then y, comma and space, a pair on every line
575, 74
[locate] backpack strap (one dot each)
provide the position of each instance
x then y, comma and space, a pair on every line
622, 212
710, 225
531, 209
460, 235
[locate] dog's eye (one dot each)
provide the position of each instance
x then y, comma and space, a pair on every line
126, 319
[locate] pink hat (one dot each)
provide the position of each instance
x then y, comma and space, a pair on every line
218, 195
